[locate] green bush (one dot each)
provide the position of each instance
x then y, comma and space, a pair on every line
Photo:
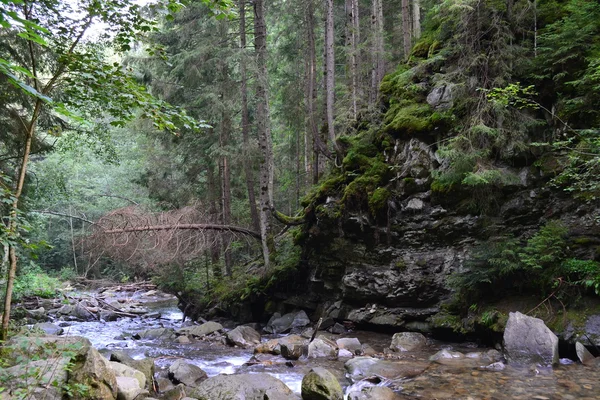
32, 281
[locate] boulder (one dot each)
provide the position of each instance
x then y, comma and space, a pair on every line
343, 353
93, 370
128, 388
338, 329
583, 354
43, 379
441, 97
528, 340
322, 348
359, 368
243, 336
293, 347
38, 313
374, 393
271, 347
446, 354
49, 329
188, 374
122, 370
145, 366
351, 344
241, 386
288, 322
408, 341
201, 330
156, 334
321, 384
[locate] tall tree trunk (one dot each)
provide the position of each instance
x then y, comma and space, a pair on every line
13, 233
264, 132
352, 41
311, 89
416, 19
248, 165
406, 28
329, 73
377, 50
213, 210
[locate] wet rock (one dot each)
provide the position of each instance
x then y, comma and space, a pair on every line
288, 322
93, 370
145, 366
243, 336
122, 370
38, 313
351, 344
127, 388
49, 329
292, 348
322, 348
583, 354
188, 374
241, 386
271, 347
446, 354
343, 353
108, 316
176, 393
408, 341
164, 384
321, 384
155, 334
183, 340
338, 329
374, 393
77, 311
367, 350
361, 367
497, 366
275, 395
202, 330
528, 340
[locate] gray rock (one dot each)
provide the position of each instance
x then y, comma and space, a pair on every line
202, 330
242, 386
338, 329
293, 349
351, 344
128, 388
446, 354
287, 322
39, 375
343, 353
145, 366
93, 370
156, 334
322, 348
408, 341
583, 354
183, 340
188, 374
359, 368
321, 384
49, 329
374, 393
122, 370
243, 336
441, 97
528, 340
38, 313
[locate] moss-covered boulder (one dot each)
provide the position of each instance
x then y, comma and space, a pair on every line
321, 384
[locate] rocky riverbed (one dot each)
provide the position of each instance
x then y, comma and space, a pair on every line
154, 355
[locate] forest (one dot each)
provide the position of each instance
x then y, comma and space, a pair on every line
229, 151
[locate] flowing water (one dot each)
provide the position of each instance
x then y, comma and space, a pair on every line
462, 379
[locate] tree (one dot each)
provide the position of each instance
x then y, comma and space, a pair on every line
329, 73
80, 73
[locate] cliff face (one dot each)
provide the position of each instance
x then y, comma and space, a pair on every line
389, 268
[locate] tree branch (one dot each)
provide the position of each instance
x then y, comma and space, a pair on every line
197, 227
66, 215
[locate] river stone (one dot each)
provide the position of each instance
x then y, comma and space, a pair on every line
145, 366
49, 329
238, 387
176, 393
287, 322
128, 372
201, 330
275, 395
94, 371
528, 340
351, 344
128, 388
38, 313
188, 374
243, 336
343, 353
361, 367
321, 384
374, 393
155, 334
408, 341
293, 350
583, 354
44, 378
446, 354
270, 347
322, 348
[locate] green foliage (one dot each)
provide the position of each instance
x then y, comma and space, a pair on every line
32, 281
543, 266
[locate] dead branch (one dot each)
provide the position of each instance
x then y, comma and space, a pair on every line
197, 227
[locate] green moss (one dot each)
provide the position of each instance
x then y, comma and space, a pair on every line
421, 48
329, 187
408, 118
378, 200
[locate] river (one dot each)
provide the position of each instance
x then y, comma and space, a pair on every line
452, 379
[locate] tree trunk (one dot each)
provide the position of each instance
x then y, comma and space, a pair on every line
13, 233
311, 89
352, 41
377, 50
264, 132
416, 19
329, 73
406, 28
213, 211
248, 165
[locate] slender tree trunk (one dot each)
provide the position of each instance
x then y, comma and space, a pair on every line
13, 233
377, 50
73, 248
352, 41
329, 73
264, 132
406, 28
416, 19
248, 165
213, 211
311, 89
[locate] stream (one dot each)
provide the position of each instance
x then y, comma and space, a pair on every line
451, 379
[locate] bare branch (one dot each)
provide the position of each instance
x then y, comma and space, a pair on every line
197, 227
